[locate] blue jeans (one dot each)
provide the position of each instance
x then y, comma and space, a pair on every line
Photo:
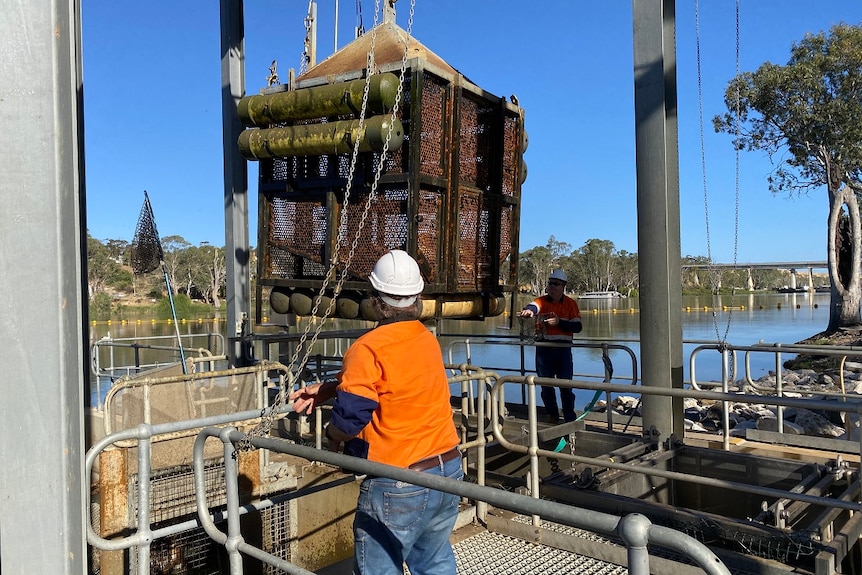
400, 522
556, 362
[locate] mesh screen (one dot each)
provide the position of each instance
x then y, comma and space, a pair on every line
511, 155
146, 248
429, 237
297, 229
433, 125
276, 534
507, 221
474, 259
384, 229
190, 552
468, 210
398, 161
475, 139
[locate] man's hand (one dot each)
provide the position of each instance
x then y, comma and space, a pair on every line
552, 319
525, 313
310, 396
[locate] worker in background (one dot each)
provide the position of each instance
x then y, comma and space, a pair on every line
392, 406
557, 318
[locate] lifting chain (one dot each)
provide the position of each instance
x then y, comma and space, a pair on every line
714, 273
268, 415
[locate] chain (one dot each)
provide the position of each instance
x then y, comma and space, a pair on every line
305, 57
714, 273
268, 414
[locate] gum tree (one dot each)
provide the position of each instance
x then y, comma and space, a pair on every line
807, 117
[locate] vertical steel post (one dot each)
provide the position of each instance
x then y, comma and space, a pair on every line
657, 157
237, 249
44, 339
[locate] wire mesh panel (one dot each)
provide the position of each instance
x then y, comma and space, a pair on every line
514, 140
172, 500
475, 141
433, 126
452, 203
276, 534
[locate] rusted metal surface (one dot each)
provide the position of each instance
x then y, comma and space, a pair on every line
113, 506
449, 196
341, 99
338, 137
389, 42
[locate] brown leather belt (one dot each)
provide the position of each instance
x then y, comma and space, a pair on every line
435, 460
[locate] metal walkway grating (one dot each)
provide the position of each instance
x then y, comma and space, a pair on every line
493, 553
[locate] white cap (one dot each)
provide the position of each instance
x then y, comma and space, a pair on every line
559, 275
397, 274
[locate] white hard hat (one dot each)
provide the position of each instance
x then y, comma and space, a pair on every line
559, 275
396, 273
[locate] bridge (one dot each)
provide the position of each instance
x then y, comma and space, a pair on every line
792, 266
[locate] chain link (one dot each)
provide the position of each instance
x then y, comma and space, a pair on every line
714, 273
268, 414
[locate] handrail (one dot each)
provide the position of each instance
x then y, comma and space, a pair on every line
635, 530
603, 345
534, 451
777, 349
144, 435
126, 383
111, 370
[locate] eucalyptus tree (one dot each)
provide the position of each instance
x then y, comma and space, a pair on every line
174, 248
536, 264
807, 117
102, 270
597, 259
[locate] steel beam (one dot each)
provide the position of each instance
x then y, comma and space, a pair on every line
237, 250
657, 159
43, 340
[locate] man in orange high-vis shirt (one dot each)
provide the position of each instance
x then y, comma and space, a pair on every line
392, 406
559, 318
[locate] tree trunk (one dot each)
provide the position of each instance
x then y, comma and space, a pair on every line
844, 267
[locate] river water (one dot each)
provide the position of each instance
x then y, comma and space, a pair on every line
740, 320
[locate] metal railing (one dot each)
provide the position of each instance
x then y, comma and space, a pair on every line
533, 450
147, 352
195, 388
635, 530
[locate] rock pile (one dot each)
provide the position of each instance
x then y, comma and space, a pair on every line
706, 415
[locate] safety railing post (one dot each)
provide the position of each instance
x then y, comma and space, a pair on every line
779, 388
725, 387
634, 531
231, 481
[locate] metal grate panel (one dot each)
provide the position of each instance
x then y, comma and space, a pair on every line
474, 235
488, 552
276, 534
429, 233
511, 156
475, 141
172, 491
433, 126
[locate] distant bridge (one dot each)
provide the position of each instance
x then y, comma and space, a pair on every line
792, 266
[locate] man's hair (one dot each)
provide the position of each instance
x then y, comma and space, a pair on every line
389, 314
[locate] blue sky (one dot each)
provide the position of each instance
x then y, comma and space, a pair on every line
152, 100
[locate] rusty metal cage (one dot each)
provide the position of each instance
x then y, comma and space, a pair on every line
449, 196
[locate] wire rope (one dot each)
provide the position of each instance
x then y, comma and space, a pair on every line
714, 273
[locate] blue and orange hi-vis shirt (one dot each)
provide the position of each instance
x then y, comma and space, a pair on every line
566, 309
393, 395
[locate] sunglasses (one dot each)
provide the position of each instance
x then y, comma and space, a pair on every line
556, 284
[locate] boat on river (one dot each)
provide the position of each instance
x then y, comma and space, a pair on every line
600, 295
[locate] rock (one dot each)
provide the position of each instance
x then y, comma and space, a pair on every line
815, 424
852, 366
771, 424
